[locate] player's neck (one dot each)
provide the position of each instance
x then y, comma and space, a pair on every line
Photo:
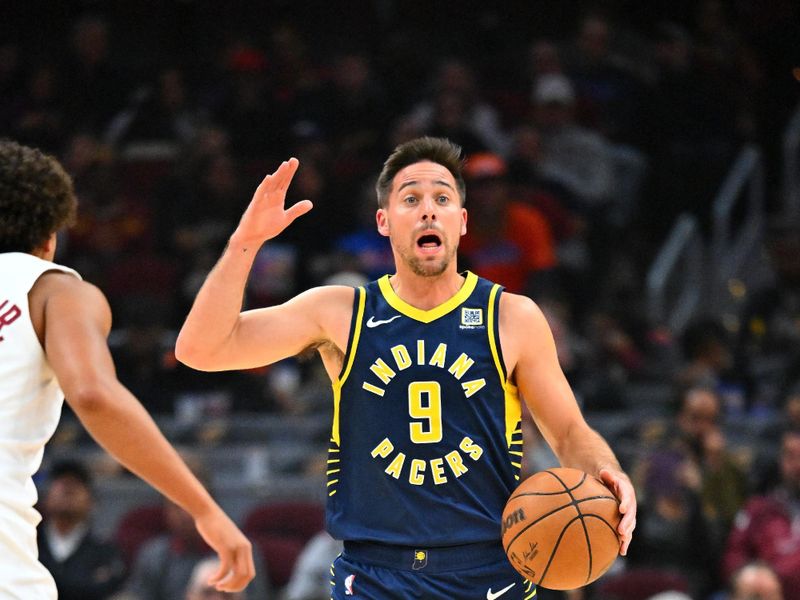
426, 293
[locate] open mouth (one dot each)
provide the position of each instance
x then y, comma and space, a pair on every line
429, 241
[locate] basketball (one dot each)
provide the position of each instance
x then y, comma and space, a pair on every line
560, 528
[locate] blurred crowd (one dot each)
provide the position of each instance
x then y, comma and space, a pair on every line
588, 127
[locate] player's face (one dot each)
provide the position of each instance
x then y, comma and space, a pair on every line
423, 218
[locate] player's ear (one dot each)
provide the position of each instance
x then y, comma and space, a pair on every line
463, 221
382, 221
47, 250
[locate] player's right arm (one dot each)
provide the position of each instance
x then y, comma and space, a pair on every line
73, 319
217, 335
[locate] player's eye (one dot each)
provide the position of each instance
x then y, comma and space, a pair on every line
410, 199
443, 199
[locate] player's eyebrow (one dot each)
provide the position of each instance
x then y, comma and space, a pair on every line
415, 182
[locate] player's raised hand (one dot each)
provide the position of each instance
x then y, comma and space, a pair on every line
235, 552
267, 215
621, 485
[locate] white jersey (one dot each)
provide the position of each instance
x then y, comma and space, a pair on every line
30, 407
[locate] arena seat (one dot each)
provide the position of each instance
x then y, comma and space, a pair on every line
640, 584
281, 530
136, 527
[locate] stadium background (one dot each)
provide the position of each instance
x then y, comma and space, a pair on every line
167, 114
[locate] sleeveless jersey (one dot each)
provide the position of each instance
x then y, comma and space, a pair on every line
30, 407
426, 443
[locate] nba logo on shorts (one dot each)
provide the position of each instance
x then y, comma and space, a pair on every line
348, 585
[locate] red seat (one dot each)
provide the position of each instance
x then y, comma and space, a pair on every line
281, 530
136, 527
640, 584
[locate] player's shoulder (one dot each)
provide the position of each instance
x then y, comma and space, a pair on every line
520, 308
333, 301
330, 295
64, 285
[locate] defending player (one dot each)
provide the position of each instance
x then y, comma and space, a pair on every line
53, 329
428, 366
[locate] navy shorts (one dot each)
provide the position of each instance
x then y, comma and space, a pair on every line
381, 572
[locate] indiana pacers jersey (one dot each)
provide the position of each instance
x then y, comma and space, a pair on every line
426, 443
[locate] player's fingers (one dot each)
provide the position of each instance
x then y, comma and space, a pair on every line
286, 173
277, 182
222, 572
625, 530
298, 209
242, 573
624, 544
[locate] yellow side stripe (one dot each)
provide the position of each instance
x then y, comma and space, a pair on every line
519, 466
333, 460
332, 481
332, 471
515, 452
337, 385
331, 493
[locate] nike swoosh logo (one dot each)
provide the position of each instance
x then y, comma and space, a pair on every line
492, 595
373, 323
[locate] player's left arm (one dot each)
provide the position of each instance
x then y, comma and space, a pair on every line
530, 352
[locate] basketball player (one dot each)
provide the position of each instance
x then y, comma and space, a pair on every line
53, 329
428, 367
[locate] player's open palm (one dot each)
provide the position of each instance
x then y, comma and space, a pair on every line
267, 215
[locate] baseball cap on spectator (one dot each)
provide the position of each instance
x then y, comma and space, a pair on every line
553, 89
484, 165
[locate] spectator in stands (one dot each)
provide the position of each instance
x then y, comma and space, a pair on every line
756, 581
161, 113
312, 572
164, 565
608, 84
456, 105
84, 567
514, 244
709, 361
692, 490
575, 157
38, 116
198, 588
97, 87
767, 528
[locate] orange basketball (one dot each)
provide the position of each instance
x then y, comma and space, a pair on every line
560, 528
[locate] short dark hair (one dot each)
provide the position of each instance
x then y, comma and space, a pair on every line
437, 150
71, 468
36, 197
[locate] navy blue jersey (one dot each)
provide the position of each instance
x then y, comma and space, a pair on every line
426, 443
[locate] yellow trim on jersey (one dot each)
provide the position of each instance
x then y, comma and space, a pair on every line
513, 410
426, 316
351, 356
492, 342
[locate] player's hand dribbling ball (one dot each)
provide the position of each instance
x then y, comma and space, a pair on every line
560, 528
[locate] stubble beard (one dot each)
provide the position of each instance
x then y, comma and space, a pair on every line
424, 268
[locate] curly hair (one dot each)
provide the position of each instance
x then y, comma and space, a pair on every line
36, 197
437, 150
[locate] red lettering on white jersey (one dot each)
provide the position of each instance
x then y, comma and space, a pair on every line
8, 315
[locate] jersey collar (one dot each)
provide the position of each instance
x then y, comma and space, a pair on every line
426, 316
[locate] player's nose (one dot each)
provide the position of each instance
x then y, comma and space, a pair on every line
428, 209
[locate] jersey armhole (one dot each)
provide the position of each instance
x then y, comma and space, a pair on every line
493, 331
353, 337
